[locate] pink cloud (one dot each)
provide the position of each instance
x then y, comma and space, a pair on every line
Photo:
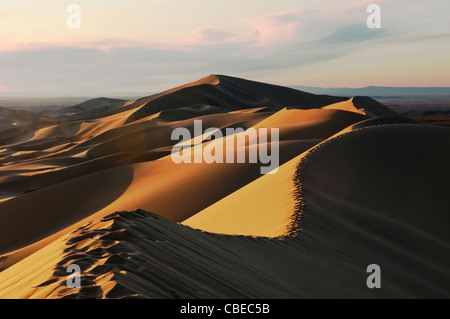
279, 27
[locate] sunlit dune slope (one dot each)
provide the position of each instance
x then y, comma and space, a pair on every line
264, 207
362, 105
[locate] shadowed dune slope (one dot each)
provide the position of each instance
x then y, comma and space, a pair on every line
231, 94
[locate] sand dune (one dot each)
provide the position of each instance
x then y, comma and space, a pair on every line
251, 210
362, 105
357, 184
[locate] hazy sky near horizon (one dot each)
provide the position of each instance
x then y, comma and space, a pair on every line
152, 45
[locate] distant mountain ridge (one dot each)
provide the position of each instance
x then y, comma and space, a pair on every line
379, 91
26, 100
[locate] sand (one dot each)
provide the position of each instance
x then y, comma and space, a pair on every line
94, 184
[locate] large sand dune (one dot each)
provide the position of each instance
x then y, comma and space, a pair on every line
358, 184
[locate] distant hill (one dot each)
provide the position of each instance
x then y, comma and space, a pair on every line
380, 91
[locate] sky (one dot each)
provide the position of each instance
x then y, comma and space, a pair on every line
123, 47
